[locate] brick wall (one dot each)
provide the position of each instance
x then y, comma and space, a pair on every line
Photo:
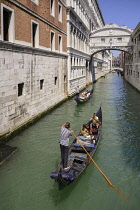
26, 11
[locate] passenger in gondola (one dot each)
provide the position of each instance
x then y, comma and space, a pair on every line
64, 144
93, 129
84, 131
87, 94
94, 120
83, 95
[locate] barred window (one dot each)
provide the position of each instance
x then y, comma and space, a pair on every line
20, 89
41, 84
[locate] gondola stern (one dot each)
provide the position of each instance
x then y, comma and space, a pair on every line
61, 175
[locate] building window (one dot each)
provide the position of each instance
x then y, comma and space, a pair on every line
60, 43
7, 23
35, 35
86, 64
134, 73
139, 54
55, 80
139, 37
137, 74
52, 41
111, 32
35, 1
20, 89
41, 84
119, 39
52, 7
59, 12
103, 40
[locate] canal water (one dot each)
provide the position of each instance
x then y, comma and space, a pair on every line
25, 182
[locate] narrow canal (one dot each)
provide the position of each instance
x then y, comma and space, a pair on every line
25, 182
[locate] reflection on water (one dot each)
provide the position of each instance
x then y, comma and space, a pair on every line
24, 179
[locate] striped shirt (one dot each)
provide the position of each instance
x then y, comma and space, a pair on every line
64, 136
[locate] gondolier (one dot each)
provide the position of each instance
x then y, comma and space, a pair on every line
64, 143
77, 91
79, 155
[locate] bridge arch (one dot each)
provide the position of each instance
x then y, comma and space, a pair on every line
101, 50
111, 37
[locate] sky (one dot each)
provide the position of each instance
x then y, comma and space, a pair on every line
121, 12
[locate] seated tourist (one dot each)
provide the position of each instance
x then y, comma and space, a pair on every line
87, 94
84, 131
94, 120
82, 96
93, 129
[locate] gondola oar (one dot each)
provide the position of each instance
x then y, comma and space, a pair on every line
115, 188
90, 102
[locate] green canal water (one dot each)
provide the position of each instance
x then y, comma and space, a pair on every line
25, 182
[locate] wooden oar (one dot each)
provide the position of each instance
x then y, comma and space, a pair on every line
90, 102
109, 182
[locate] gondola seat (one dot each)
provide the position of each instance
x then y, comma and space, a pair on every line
78, 145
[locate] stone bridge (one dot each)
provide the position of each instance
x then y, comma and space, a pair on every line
111, 37
118, 68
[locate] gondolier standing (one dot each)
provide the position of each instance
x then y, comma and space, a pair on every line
77, 91
64, 143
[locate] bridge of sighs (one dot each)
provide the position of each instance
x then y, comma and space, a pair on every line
111, 37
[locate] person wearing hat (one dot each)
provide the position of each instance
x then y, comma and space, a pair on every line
64, 143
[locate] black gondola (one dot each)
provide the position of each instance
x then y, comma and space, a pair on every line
122, 73
78, 159
82, 99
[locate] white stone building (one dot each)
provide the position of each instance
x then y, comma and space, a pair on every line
83, 17
132, 61
44, 54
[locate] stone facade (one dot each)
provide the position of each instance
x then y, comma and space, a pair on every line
106, 38
83, 17
132, 61
111, 37
43, 77
33, 60
45, 52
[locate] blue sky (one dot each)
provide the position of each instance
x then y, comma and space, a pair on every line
121, 12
